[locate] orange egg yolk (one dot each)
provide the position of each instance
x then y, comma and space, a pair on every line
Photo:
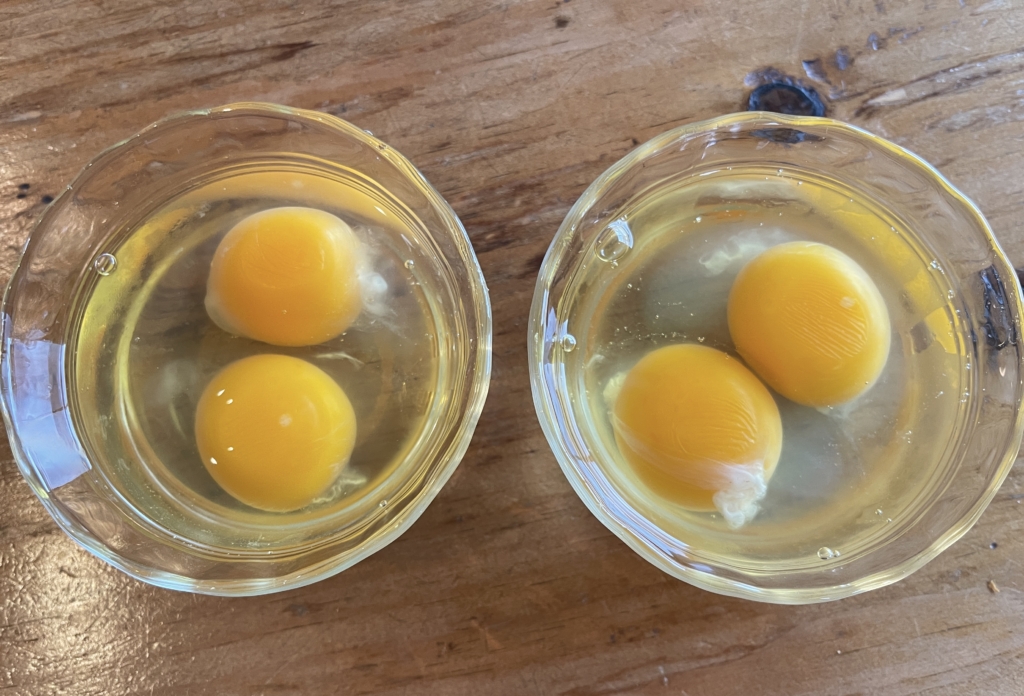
274, 431
286, 276
810, 322
699, 429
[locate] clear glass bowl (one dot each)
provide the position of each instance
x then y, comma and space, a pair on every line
980, 302
154, 528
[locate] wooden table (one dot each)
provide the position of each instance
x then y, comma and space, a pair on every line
507, 584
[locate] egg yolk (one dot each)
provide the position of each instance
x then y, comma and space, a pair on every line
699, 429
286, 276
810, 322
274, 431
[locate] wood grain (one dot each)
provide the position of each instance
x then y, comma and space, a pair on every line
507, 585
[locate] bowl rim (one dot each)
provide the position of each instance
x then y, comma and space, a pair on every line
477, 383
545, 409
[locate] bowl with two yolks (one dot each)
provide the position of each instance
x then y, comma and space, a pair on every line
777, 357
244, 350
700, 427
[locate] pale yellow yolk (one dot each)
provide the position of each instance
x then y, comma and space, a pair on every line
699, 429
286, 276
810, 322
274, 431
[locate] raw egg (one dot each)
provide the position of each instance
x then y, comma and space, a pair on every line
286, 276
810, 322
699, 429
274, 431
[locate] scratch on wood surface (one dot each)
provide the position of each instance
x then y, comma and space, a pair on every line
953, 79
490, 642
281, 668
24, 116
420, 665
986, 115
989, 6
798, 44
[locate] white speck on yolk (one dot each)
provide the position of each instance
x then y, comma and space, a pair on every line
810, 322
286, 436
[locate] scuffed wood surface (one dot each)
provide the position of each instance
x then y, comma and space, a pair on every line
507, 585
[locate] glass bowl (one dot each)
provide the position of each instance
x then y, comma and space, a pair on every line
957, 309
100, 461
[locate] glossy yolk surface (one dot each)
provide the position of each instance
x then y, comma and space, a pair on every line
810, 322
286, 276
699, 429
274, 431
